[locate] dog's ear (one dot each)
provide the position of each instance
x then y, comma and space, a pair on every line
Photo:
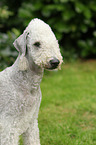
20, 45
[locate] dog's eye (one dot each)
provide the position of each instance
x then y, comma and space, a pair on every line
37, 44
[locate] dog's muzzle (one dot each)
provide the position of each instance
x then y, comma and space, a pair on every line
54, 63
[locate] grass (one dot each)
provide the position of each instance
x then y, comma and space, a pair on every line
68, 110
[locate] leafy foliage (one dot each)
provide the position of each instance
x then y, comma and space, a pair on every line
73, 22
7, 52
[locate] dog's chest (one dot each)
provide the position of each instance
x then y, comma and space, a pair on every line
27, 101
28, 117
28, 111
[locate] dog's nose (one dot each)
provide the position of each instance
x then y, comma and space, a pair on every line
54, 63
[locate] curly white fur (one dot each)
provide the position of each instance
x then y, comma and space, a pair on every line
20, 93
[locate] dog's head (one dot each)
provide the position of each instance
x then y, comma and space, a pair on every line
41, 45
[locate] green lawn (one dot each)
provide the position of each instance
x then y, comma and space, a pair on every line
68, 110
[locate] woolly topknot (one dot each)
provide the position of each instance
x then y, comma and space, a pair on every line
37, 25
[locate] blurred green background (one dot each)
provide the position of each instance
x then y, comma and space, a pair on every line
73, 22
68, 110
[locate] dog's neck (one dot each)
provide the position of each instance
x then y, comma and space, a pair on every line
30, 78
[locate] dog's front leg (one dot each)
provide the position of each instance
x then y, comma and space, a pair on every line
31, 136
9, 137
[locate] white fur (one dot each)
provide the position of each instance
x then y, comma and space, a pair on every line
20, 93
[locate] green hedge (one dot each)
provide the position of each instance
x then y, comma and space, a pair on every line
73, 22
7, 51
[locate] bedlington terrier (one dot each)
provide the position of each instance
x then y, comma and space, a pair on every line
20, 93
